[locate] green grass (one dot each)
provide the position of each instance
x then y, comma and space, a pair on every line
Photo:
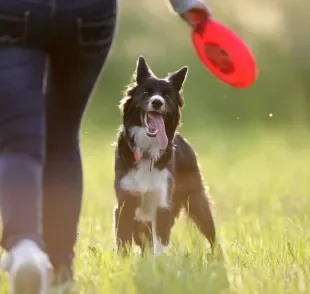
260, 185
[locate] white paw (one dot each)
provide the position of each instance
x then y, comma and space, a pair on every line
159, 248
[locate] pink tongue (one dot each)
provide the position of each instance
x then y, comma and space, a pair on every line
161, 134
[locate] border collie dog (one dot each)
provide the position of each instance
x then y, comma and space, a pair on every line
156, 170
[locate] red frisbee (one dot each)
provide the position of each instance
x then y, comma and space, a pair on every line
224, 54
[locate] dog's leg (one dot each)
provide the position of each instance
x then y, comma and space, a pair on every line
198, 208
124, 221
161, 227
162, 218
143, 235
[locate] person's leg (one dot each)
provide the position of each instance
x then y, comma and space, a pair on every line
21, 162
23, 25
74, 68
21, 144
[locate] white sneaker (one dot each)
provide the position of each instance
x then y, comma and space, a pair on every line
29, 269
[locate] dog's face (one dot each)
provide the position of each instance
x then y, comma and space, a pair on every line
154, 104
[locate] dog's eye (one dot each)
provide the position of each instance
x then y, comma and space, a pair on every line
145, 93
167, 95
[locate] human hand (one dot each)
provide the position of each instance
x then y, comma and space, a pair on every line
197, 15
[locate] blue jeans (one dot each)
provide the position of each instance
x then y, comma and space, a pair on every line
51, 54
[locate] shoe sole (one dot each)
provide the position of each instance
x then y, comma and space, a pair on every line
28, 280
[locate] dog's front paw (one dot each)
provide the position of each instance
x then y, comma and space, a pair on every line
160, 249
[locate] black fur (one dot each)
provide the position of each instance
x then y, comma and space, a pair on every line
186, 189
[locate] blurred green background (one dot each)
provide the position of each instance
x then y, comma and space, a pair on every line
275, 30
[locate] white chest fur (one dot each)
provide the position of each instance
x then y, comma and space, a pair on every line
143, 179
151, 185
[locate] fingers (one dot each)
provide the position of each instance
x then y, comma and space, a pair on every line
197, 15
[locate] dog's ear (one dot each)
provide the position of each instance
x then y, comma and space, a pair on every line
142, 71
125, 103
177, 78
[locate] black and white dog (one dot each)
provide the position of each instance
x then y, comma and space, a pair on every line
156, 170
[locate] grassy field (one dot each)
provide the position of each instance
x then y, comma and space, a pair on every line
260, 186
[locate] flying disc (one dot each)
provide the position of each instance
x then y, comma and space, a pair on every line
224, 54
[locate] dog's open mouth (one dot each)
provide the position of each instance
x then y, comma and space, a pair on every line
154, 125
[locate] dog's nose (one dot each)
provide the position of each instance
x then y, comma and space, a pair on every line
156, 103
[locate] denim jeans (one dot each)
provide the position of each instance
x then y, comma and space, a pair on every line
51, 54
